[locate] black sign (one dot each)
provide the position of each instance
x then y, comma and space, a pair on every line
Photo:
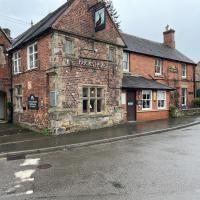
33, 103
100, 19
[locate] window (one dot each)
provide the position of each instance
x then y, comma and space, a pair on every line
158, 67
146, 99
125, 62
2, 56
18, 98
93, 100
184, 97
16, 62
111, 55
161, 96
32, 56
53, 98
184, 71
69, 47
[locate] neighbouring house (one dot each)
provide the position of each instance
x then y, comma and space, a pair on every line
67, 70
198, 80
156, 75
5, 73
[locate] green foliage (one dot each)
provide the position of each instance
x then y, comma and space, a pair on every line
45, 132
175, 98
196, 102
174, 111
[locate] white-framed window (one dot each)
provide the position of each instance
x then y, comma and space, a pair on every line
158, 67
69, 46
53, 98
184, 97
111, 54
123, 98
16, 62
126, 62
146, 100
184, 71
18, 98
32, 53
161, 97
93, 99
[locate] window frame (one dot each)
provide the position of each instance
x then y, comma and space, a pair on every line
150, 108
95, 98
16, 62
184, 66
160, 65
55, 93
185, 97
67, 39
127, 62
112, 49
18, 98
165, 99
35, 66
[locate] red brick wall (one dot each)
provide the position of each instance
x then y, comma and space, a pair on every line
34, 82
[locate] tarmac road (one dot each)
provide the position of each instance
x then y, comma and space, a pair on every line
157, 167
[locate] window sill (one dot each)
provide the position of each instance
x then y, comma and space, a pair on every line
159, 76
32, 69
18, 111
17, 73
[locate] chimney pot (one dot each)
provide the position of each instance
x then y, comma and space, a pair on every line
169, 37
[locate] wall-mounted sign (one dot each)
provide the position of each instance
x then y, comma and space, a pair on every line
100, 19
33, 103
173, 69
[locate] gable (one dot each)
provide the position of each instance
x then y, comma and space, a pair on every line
79, 19
4, 40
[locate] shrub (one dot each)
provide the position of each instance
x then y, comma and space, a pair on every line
174, 111
196, 102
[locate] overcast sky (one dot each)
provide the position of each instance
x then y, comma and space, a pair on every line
143, 18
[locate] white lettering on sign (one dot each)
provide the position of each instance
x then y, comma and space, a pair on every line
92, 63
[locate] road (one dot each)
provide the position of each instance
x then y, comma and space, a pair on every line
157, 167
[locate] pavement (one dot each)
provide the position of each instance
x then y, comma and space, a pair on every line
155, 167
17, 140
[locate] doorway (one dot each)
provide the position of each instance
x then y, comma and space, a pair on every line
2, 106
131, 105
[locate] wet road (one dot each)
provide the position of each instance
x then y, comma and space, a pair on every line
158, 167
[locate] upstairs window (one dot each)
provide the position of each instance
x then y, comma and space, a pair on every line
146, 100
93, 100
161, 96
184, 71
158, 67
69, 47
33, 57
2, 56
111, 54
16, 62
125, 62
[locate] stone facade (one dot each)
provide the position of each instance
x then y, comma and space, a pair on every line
67, 74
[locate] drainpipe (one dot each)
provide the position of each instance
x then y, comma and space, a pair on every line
11, 86
194, 78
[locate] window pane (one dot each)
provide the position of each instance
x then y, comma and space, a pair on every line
85, 92
92, 106
31, 50
92, 92
69, 47
99, 105
85, 103
99, 92
35, 47
53, 98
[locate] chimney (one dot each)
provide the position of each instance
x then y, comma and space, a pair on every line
7, 31
169, 37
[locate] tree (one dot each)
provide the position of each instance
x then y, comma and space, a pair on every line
113, 12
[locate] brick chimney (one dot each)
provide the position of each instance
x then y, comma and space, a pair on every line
7, 31
169, 37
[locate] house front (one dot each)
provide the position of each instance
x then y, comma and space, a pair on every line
156, 76
67, 70
5, 73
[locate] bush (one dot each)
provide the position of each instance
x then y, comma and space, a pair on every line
174, 111
196, 102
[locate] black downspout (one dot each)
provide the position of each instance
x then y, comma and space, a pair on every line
11, 88
194, 74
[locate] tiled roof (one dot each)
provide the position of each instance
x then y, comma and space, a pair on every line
44, 25
147, 47
139, 82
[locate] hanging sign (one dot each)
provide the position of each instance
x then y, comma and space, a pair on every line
100, 19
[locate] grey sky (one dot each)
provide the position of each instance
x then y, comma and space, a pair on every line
142, 18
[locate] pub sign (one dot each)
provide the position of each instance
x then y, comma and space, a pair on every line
100, 19
33, 103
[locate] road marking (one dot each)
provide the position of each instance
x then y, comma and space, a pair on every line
24, 175
29, 192
29, 162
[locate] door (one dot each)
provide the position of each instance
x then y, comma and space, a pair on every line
2, 106
131, 105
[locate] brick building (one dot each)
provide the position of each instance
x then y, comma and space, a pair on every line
198, 79
67, 73
5, 72
156, 75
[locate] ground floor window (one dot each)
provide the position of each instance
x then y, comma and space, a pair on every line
18, 98
161, 96
184, 97
93, 99
146, 100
